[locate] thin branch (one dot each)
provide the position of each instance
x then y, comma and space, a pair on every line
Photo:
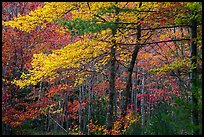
155, 50
172, 40
146, 11
88, 5
161, 51
121, 64
127, 23
59, 124
125, 5
165, 27
99, 17
140, 4
169, 46
174, 74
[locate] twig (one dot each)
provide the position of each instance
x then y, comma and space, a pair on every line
59, 124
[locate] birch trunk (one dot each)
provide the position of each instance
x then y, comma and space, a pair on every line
135, 92
142, 101
80, 107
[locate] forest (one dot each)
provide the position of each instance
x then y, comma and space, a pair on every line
101, 68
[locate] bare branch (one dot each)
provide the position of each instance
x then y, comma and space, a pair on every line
59, 124
172, 40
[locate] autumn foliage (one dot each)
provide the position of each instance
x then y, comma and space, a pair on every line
103, 68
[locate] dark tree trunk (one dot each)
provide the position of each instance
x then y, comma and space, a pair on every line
112, 89
194, 76
130, 70
110, 115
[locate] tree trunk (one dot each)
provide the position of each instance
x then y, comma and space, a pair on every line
112, 77
130, 70
142, 102
112, 89
66, 112
115, 106
135, 92
80, 107
89, 101
193, 74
